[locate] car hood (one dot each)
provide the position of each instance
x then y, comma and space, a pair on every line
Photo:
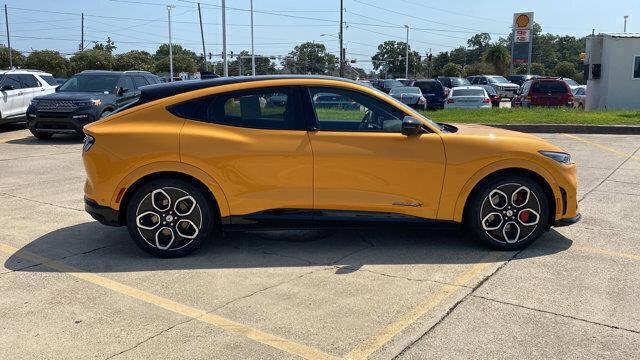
491, 132
72, 95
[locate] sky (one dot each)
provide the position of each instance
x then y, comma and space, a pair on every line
281, 24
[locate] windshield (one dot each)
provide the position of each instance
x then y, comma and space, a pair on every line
459, 82
405, 90
571, 82
497, 80
91, 83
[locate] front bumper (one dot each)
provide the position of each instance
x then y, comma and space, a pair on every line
567, 221
59, 123
104, 214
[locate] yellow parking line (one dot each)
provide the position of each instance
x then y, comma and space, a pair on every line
372, 345
607, 252
604, 147
201, 315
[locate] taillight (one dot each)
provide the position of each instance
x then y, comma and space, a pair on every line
422, 100
450, 101
486, 101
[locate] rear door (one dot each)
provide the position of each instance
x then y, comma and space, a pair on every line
11, 98
257, 150
31, 88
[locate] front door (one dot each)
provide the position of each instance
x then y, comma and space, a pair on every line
11, 96
363, 163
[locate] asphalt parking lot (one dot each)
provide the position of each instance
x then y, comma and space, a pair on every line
72, 288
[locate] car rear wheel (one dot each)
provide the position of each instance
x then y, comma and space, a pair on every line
508, 213
169, 217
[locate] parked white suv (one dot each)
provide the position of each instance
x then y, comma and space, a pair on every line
18, 87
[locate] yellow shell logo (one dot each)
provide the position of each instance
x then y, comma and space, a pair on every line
522, 20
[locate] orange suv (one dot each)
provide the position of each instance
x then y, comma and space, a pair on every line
191, 157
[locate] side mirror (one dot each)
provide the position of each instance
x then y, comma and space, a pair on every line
7, 87
411, 126
58, 88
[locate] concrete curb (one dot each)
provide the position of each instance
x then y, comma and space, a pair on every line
571, 128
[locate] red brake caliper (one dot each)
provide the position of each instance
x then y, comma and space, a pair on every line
524, 216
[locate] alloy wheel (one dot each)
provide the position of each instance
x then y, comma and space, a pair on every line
510, 213
168, 218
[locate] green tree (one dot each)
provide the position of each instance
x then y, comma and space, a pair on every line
393, 52
91, 60
565, 69
108, 46
184, 60
477, 45
498, 56
264, 66
438, 62
134, 60
478, 68
458, 56
310, 58
537, 69
17, 57
49, 61
452, 69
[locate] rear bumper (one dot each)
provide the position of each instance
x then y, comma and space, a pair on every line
103, 214
567, 221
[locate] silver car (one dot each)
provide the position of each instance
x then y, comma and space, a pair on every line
503, 87
410, 95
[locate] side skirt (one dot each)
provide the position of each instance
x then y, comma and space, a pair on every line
282, 219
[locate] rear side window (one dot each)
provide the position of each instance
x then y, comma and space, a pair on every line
258, 108
550, 87
49, 79
29, 81
139, 81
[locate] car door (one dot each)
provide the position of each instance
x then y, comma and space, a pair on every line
31, 87
256, 149
362, 162
11, 95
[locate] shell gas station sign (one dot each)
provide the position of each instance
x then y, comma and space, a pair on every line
522, 38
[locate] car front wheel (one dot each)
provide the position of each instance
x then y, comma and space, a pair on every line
508, 213
169, 217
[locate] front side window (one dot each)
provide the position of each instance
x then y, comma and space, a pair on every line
346, 110
258, 108
11, 80
636, 67
91, 83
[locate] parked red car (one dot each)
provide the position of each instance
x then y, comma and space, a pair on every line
547, 91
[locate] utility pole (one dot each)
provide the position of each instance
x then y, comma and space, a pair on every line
341, 40
224, 39
204, 52
625, 22
81, 31
406, 55
169, 7
253, 56
6, 21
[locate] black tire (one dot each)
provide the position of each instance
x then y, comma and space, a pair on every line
198, 222
41, 135
481, 218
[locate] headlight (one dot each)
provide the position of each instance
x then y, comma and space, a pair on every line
85, 103
562, 158
87, 143
34, 102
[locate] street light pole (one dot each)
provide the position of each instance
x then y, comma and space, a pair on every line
6, 20
341, 40
253, 56
406, 60
169, 7
625, 22
224, 39
204, 51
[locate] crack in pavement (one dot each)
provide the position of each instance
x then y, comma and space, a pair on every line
40, 202
401, 277
557, 314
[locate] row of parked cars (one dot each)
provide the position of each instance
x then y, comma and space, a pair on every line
484, 91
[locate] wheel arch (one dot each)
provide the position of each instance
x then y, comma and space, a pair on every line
182, 171
531, 170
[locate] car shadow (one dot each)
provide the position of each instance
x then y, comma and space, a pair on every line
13, 126
92, 247
58, 139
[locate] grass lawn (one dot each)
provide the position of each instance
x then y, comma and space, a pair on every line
535, 116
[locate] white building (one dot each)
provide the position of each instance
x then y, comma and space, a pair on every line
613, 61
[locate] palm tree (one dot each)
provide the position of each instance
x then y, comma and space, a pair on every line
498, 56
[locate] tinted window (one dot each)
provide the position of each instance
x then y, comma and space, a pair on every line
459, 82
259, 108
354, 112
468, 92
550, 87
405, 90
152, 79
12, 79
91, 83
497, 80
388, 84
636, 67
428, 86
139, 81
571, 82
49, 79
490, 90
29, 81
127, 83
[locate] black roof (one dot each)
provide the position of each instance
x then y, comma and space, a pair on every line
159, 91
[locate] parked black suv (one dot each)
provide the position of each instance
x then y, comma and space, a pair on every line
433, 91
84, 98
